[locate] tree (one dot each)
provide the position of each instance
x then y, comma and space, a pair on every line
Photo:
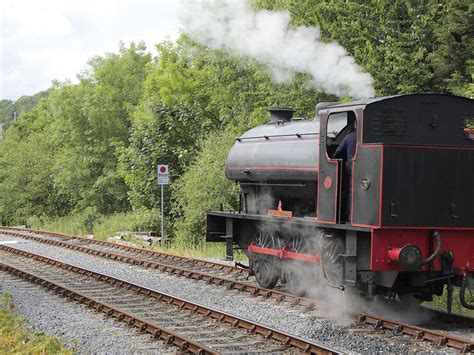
91, 122
62, 157
407, 46
453, 45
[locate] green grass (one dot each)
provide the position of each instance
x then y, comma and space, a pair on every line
201, 250
440, 302
103, 227
73, 225
14, 339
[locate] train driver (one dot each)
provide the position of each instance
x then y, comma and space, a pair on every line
346, 151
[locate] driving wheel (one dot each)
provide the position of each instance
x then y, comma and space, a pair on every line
267, 268
299, 276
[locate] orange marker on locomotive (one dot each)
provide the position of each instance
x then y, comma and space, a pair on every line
397, 219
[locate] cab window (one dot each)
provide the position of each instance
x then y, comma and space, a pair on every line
338, 125
336, 122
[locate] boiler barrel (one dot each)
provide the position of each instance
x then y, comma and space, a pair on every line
283, 152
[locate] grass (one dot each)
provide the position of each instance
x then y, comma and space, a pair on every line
440, 302
72, 225
201, 250
103, 227
14, 339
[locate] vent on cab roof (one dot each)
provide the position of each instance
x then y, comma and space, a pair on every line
390, 122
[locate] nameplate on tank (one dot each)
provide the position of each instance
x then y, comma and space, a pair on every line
280, 213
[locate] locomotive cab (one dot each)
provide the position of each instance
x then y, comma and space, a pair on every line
413, 165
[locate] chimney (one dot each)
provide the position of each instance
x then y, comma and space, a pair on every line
280, 115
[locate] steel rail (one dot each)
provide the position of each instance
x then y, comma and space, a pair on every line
176, 270
158, 332
285, 339
418, 333
158, 254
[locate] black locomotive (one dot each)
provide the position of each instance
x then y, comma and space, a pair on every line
411, 215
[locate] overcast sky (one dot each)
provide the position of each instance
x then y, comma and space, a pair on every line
43, 40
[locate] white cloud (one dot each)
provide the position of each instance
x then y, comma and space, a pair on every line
52, 39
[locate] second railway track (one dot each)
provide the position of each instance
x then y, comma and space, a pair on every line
187, 326
226, 275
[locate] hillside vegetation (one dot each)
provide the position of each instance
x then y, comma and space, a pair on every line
86, 154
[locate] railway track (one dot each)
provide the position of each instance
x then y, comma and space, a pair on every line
233, 278
187, 326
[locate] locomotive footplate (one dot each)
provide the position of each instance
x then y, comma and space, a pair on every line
216, 223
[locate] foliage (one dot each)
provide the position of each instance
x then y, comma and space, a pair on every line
440, 302
21, 105
102, 227
204, 187
407, 46
81, 223
451, 58
138, 221
162, 136
15, 340
61, 157
25, 177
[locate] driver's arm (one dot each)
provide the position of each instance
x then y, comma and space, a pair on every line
340, 151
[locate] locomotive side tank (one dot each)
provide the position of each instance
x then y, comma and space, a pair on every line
285, 149
277, 162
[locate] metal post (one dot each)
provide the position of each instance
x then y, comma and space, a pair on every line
162, 235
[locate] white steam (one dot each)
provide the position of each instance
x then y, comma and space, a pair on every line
267, 37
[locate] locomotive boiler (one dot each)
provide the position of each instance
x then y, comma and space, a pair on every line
410, 225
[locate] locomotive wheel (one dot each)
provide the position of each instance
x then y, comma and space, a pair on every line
295, 282
298, 275
267, 268
333, 248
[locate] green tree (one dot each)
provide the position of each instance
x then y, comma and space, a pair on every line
26, 178
62, 157
452, 55
407, 46
23, 104
91, 122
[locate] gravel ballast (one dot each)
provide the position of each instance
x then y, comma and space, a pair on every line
304, 324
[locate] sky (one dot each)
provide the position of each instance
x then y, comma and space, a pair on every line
45, 40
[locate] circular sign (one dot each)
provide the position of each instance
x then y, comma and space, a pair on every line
162, 169
327, 183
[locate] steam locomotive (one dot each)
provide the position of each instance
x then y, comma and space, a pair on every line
410, 230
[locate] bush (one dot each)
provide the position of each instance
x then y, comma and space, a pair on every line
140, 220
15, 340
204, 187
89, 222
76, 224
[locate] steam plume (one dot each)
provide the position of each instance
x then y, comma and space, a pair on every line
266, 36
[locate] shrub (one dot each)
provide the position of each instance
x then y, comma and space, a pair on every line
15, 340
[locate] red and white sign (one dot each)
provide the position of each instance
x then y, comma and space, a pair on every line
163, 176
